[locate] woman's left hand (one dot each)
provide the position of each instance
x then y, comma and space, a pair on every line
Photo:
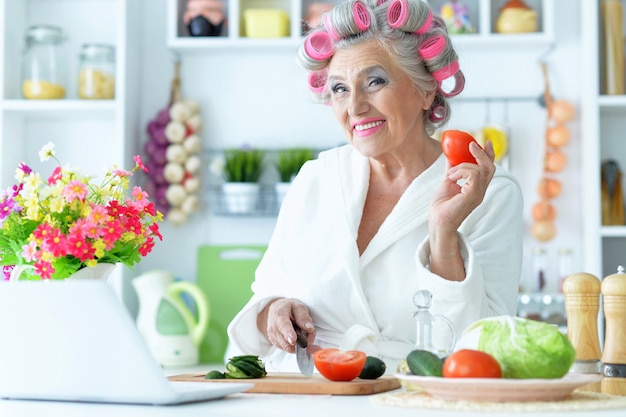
454, 201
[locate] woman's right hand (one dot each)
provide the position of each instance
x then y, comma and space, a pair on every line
276, 321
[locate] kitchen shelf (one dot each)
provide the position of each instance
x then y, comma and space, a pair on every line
483, 14
67, 109
88, 134
264, 204
602, 127
614, 231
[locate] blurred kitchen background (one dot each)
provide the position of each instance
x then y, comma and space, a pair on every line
250, 92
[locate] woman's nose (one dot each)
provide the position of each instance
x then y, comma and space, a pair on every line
358, 103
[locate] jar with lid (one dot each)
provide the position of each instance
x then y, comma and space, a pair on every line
96, 77
44, 74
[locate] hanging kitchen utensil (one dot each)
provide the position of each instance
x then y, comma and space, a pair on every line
612, 197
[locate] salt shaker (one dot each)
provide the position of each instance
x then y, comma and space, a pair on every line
582, 304
425, 322
614, 356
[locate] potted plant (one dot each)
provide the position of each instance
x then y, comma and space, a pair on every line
242, 170
288, 165
66, 225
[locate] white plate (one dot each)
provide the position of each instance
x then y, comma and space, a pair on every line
499, 390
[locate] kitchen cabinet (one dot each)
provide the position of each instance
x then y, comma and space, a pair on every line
603, 120
88, 134
483, 14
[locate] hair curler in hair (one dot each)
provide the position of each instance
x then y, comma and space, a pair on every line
317, 81
409, 17
432, 47
319, 45
437, 113
459, 84
361, 16
347, 19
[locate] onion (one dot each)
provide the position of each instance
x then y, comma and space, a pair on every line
544, 211
558, 136
543, 231
163, 116
549, 188
555, 161
562, 111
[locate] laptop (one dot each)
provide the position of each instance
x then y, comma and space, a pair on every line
75, 341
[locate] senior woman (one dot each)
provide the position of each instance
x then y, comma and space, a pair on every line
368, 224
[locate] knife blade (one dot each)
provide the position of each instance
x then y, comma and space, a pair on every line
303, 357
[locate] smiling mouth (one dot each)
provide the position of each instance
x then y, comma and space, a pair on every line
368, 125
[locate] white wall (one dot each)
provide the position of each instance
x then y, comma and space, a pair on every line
259, 96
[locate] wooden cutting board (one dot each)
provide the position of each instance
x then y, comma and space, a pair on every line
293, 383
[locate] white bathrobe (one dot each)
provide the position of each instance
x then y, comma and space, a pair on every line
366, 302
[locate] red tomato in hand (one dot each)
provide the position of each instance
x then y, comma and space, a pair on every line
455, 144
338, 365
468, 363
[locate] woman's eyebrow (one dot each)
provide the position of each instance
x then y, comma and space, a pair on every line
363, 72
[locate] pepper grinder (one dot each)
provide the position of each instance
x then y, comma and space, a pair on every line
582, 304
614, 356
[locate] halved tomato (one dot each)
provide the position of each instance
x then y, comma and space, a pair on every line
468, 363
338, 365
455, 145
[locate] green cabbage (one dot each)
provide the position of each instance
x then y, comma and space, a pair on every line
524, 348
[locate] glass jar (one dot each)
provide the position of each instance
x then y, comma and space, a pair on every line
96, 77
44, 74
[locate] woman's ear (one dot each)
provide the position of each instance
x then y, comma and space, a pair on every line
428, 99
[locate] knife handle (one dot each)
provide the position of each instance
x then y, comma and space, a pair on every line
301, 336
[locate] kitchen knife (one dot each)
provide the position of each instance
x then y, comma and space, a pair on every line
303, 357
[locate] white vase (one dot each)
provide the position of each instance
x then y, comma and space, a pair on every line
281, 189
101, 271
240, 197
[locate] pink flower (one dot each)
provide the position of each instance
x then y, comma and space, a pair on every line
122, 173
55, 243
44, 269
42, 231
29, 252
74, 190
55, 176
98, 214
139, 162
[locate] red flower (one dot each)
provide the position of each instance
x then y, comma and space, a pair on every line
154, 228
146, 248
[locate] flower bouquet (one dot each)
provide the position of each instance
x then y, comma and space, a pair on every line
66, 223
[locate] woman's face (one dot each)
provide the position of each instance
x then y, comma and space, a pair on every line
375, 101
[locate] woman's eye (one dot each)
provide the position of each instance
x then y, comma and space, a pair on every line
377, 81
339, 88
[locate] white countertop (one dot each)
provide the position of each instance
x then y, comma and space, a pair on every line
249, 405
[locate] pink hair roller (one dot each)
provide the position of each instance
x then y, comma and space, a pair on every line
459, 84
426, 25
397, 13
432, 47
329, 29
319, 46
317, 81
437, 113
446, 72
361, 16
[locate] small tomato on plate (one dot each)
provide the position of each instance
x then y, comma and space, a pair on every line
455, 144
468, 363
338, 365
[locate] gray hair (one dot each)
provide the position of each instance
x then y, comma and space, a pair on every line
402, 44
